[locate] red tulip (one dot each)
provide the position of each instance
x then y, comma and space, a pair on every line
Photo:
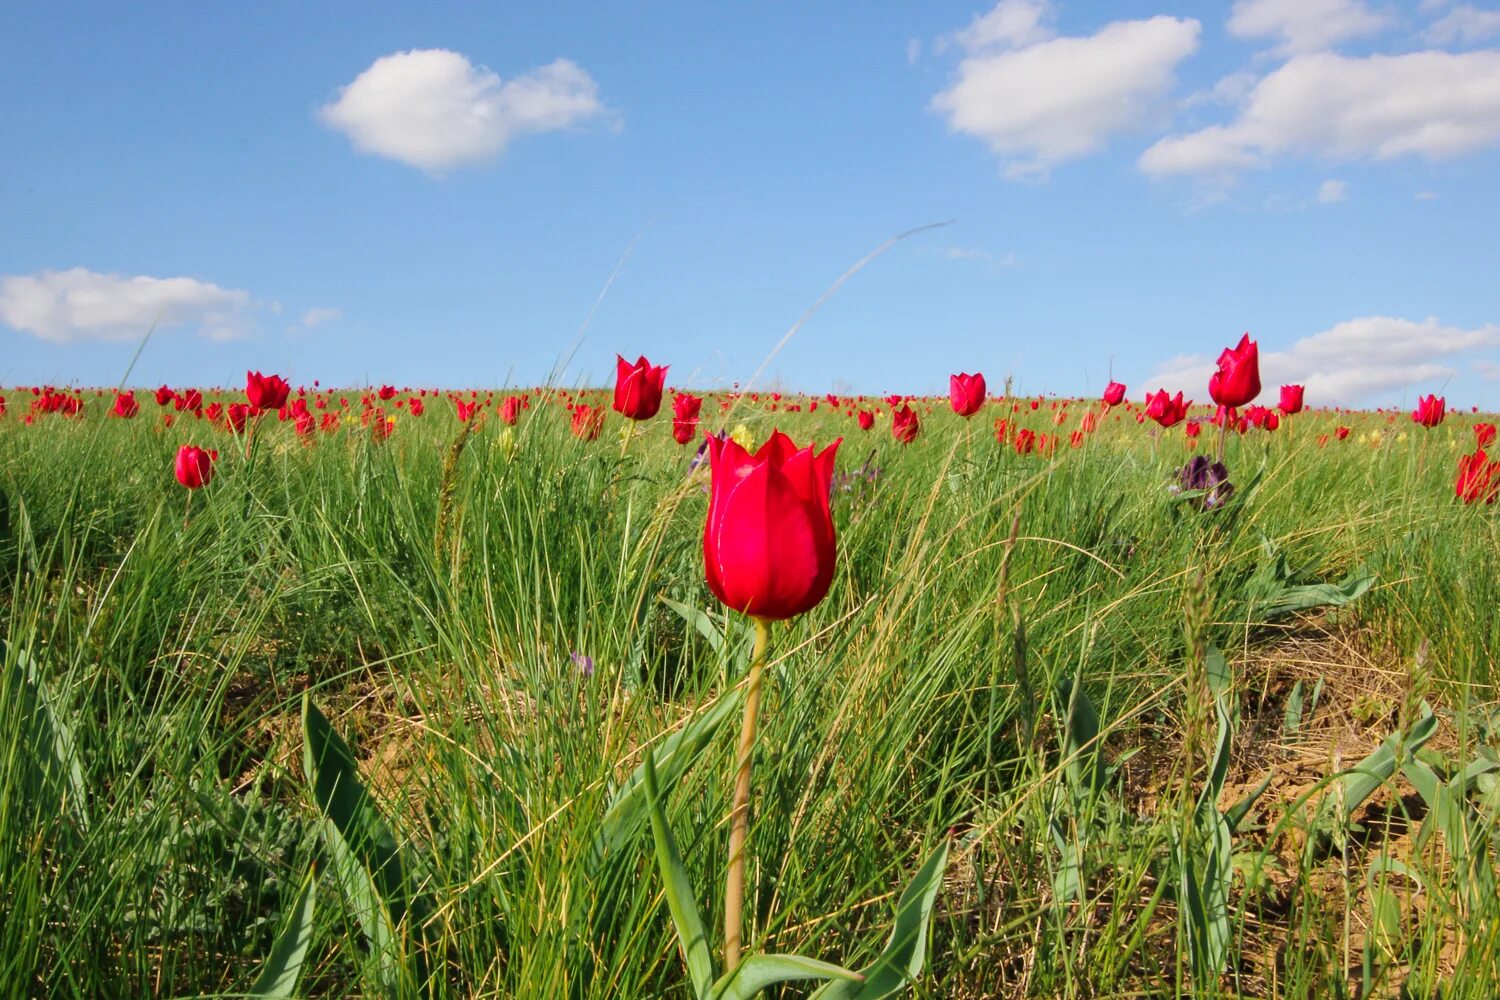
1167, 410
966, 393
1114, 393
866, 420
1291, 399
638, 388
266, 392
304, 423
1341, 432
1237, 381
125, 405
1484, 434
387, 392
465, 410
1478, 478
195, 466
905, 425
1430, 411
510, 410
768, 543
685, 409
1025, 441
164, 396
588, 421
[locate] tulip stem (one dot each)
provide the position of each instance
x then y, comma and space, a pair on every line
739, 814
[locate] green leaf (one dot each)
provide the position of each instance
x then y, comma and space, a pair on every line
1235, 814
700, 621
52, 776
1081, 743
278, 977
691, 937
366, 861
759, 971
1361, 781
905, 951
627, 810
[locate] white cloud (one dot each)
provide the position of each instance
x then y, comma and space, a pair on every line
913, 51
433, 109
318, 315
1437, 105
1012, 24
1463, 25
1038, 101
1331, 191
996, 261
78, 304
1305, 25
1349, 363
1426, 196
1230, 89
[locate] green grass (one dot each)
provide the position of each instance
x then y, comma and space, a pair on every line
174, 643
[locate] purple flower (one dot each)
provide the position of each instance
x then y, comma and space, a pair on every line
1210, 479
700, 457
584, 663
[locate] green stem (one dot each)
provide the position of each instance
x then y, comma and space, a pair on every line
739, 815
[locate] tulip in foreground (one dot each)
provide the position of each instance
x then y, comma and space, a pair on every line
768, 552
195, 466
905, 425
966, 393
266, 392
638, 388
1478, 478
1291, 399
1114, 393
1237, 381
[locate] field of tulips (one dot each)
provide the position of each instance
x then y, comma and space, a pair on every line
642, 692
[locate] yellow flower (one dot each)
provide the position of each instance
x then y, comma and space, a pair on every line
507, 441
741, 436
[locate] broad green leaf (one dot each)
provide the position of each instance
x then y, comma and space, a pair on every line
1081, 743
906, 950
366, 861
700, 621
1376, 769
691, 937
627, 810
759, 971
1218, 674
51, 773
278, 977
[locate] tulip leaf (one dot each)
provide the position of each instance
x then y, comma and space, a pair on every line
905, 953
627, 811
278, 977
52, 776
1081, 740
691, 937
1361, 781
759, 971
1273, 589
366, 861
700, 621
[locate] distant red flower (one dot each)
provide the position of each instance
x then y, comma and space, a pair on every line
387, 392
1025, 441
465, 410
1341, 432
1291, 399
1484, 434
195, 466
1430, 410
638, 388
164, 396
866, 420
415, 406
905, 425
685, 409
237, 416
510, 409
966, 393
1478, 478
266, 392
1114, 393
587, 422
125, 405
1167, 410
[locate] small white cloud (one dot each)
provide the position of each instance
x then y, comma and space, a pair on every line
996, 261
1305, 25
1436, 105
1488, 370
1331, 191
1038, 101
433, 109
79, 304
913, 51
1463, 25
318, 315
1426, 196
1350, 362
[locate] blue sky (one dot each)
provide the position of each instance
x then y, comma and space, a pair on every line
437, 194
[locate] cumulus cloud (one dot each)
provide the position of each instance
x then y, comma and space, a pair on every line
1305, 25
318, 315
1352, 361
433, 109
1039, 100
1436, 105
1463, 25
1331, 191
79, 304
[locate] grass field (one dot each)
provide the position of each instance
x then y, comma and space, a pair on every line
501, 621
